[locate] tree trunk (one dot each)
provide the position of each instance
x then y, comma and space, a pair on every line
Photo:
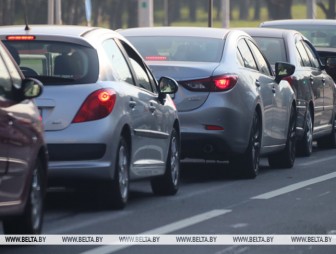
279, 9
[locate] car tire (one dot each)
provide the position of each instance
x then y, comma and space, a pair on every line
329, 141
305, 145
30, 222
168, 184
120, 183
247, 164
286, 158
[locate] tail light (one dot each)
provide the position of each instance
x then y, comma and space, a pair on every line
212, 84
290, 79
97, 105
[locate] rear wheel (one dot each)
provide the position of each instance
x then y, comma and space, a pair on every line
30, 222
305, 145
286, 158
168, 184
120, 183
247, 164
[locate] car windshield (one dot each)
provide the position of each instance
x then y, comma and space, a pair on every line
318, 35
273, 49
55, 62
178, 48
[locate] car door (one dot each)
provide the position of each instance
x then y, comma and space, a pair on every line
153, 134
315, 81
327, 84
264, 88
16, 136
280, 106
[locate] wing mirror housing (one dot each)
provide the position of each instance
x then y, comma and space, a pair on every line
167, 86
283, 70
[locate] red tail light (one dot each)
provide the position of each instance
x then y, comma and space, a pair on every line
97, 105
290, 79
213, 84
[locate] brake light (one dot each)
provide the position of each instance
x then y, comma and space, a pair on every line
290, 80
212, 84
97, 105
20, 37
156, 58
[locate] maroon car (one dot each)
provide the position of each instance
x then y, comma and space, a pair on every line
23, 152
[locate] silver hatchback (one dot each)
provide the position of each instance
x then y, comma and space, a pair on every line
230, 104
105, 115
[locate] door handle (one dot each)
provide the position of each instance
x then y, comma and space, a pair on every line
257, 83
132, 103
152, 108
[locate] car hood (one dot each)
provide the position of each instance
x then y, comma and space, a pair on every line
184, 99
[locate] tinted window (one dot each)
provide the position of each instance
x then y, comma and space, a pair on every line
5, 81
260, 59
303, 54
144, 77
312, 56
55, 62
116, 58
180, 48
273, 48
246, 54
318, 35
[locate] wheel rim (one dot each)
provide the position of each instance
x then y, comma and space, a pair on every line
256, 138
174, 160
123, 172
309, 134
292, 137
36, 199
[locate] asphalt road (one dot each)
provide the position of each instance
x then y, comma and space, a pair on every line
301, 200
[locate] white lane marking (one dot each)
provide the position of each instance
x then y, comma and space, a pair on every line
163, 230
295, 186
309, 163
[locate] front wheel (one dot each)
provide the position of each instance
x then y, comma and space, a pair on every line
30, 222
168, 183
286, 158
247, 164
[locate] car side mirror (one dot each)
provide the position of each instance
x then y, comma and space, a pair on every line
167, 85
283, 70
31, 88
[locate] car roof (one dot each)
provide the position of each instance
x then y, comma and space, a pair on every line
326, 22
271, 32
210, 32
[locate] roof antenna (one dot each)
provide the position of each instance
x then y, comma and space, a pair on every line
26, 17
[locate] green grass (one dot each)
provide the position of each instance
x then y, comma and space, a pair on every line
298, 12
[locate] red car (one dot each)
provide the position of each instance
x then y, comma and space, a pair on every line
23, 152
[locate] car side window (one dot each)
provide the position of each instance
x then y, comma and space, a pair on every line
142, 74
303, 54
264, 67
5, 81
312, 56
246, 54
118, 61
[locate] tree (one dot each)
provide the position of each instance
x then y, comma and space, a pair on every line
329, 12
279, 9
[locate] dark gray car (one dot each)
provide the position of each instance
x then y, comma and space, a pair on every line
230, 104
314, 87
23, 152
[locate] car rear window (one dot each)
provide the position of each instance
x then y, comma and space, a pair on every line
318, 35
273, 48
55, 62
178, 48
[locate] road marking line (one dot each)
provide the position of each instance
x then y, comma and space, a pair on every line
295, 186
309, 163
163, 230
